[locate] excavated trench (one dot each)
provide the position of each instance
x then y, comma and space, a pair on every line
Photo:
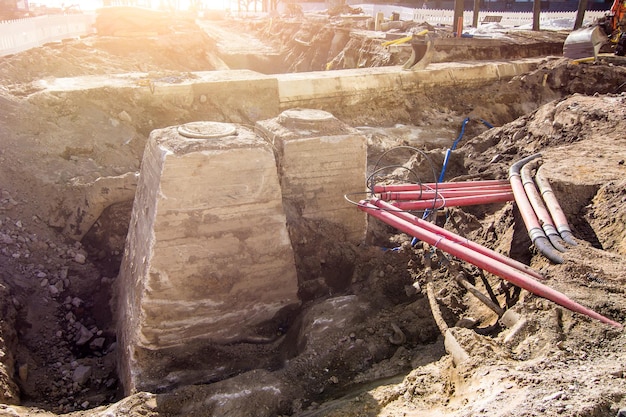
364, 319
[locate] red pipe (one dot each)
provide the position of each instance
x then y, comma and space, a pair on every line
539, 207
441, 185
454, 201
554, 208
456, 238
535, 232
431, 194
504, 271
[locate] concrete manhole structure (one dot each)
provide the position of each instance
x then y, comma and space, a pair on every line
303, 118
320, 160
206, 130
208, 257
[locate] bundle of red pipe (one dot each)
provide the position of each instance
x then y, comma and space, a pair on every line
545, 221
437, 195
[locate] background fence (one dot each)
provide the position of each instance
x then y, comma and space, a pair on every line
22, 34
445, 17
509, 19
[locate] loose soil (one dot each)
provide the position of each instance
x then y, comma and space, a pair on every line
384, 354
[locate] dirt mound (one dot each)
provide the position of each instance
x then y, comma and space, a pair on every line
187, 49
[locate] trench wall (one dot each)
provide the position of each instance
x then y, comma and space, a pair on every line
268, 95
354, 86
243, 96
152, 300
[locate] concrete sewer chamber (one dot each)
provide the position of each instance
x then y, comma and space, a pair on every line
208, 261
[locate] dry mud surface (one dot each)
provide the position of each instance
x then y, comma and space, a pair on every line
383, 355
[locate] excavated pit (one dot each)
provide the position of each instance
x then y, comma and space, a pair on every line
364, 341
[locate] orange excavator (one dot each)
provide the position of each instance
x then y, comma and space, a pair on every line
584, 43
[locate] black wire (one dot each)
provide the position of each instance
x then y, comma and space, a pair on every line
370, 179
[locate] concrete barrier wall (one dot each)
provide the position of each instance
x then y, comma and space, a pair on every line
22, 34
268, 95
353, 86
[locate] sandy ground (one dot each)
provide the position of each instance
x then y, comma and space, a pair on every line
386, 355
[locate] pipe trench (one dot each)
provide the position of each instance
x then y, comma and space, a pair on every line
449, 242
542, 215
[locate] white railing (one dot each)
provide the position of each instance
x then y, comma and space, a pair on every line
22, 34
509, 19
440, 16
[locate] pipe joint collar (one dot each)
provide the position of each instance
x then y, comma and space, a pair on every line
535, 233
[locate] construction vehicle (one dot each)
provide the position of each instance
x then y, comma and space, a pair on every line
611, 28
421, 53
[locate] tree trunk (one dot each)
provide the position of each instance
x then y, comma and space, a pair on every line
580, 14
476, 10
536, 14
458, 14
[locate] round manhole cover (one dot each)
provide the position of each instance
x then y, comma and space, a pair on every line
305, 117
207, 130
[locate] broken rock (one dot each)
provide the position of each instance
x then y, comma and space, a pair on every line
83, 336
82, 374
97, 343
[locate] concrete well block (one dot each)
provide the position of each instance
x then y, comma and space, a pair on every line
321, 159
208, 258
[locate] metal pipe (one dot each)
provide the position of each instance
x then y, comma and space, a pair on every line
535, 232
455, 238
454, 201
554, 208
539, 207
439, 186
504, 271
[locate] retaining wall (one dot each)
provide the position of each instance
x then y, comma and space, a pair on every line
268, 95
